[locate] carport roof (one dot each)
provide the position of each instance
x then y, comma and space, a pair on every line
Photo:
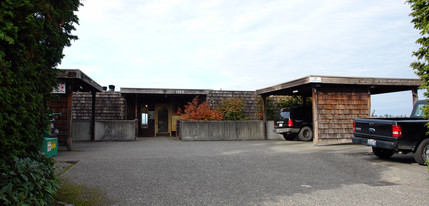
303, 86
82, 82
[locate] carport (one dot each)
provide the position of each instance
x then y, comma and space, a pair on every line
69, 81
338, 100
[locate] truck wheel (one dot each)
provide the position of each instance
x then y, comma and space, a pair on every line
289, 136
421, 155
305, 134
383, 153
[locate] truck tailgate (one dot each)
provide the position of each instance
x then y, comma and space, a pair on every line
374, 128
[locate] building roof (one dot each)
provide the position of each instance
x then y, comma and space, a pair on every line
164, 91
81, 82
304, 85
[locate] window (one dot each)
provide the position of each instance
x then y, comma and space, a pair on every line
145, 116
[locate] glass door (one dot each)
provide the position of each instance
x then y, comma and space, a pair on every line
162, 126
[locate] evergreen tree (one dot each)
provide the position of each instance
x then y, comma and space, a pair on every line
33, 34
420, 14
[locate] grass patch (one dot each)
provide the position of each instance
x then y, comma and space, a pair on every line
79, 195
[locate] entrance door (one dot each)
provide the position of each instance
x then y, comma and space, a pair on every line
162, 120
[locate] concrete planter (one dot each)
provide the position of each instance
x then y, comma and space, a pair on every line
221, 130
105, 130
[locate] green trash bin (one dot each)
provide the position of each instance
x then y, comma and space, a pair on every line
50, 146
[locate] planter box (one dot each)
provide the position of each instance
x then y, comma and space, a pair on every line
221, 130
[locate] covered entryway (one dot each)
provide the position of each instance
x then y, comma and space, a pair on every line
156, 109
338, 100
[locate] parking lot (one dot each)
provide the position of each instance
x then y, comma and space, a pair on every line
167, 171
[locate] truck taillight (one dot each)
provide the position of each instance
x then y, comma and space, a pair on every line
396, 131
354, 126
290, 123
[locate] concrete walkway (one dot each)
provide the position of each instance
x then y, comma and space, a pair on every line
166, 171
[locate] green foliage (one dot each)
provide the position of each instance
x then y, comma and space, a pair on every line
274, 104
420, 14
198, 112
289, 101
232, 109
271, 108
33, 35
26, 181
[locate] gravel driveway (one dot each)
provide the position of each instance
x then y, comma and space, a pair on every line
167, 171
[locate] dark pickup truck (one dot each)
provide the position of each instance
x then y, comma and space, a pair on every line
390, 135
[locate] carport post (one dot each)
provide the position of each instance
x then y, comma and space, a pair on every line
315, 117
264, 111
92, 125
415, 96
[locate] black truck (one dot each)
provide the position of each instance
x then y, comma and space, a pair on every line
395, 135
295, 122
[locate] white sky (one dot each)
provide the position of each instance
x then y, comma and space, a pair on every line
243, 44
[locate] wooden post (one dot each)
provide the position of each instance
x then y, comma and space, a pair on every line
92, 125
265, 113
69, 115
415, 95
369, 104
315, 117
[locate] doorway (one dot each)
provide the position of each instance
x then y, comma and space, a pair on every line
162, 120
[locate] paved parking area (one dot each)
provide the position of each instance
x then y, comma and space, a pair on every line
167, 171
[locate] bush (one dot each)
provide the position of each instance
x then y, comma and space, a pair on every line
26, 181
232, 109
198, 112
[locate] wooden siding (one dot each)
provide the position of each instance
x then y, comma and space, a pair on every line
108, 106
336, 108
63, 124
250, 102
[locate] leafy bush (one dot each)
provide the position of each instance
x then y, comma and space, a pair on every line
26, 181
271, 108
232, 109
275, 103
199, 112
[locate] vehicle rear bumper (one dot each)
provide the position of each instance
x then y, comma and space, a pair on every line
285, 130
377, 143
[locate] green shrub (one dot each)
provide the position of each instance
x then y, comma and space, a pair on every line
232, 109
26, 181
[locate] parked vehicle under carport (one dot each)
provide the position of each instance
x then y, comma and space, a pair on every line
294, 122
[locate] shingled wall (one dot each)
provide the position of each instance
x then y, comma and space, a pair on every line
337, 107
250, 102
109, 106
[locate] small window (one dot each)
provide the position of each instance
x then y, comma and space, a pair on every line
419, 112
145, 116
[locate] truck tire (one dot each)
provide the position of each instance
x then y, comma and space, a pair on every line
289, 136
383, 153
305, 134
421, 154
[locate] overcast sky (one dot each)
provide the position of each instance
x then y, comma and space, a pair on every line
242, 44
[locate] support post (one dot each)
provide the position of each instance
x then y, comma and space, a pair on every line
315, 117
265, 114
92, 125
68, 114
415, 95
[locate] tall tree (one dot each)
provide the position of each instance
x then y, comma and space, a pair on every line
33, 34
420, 14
